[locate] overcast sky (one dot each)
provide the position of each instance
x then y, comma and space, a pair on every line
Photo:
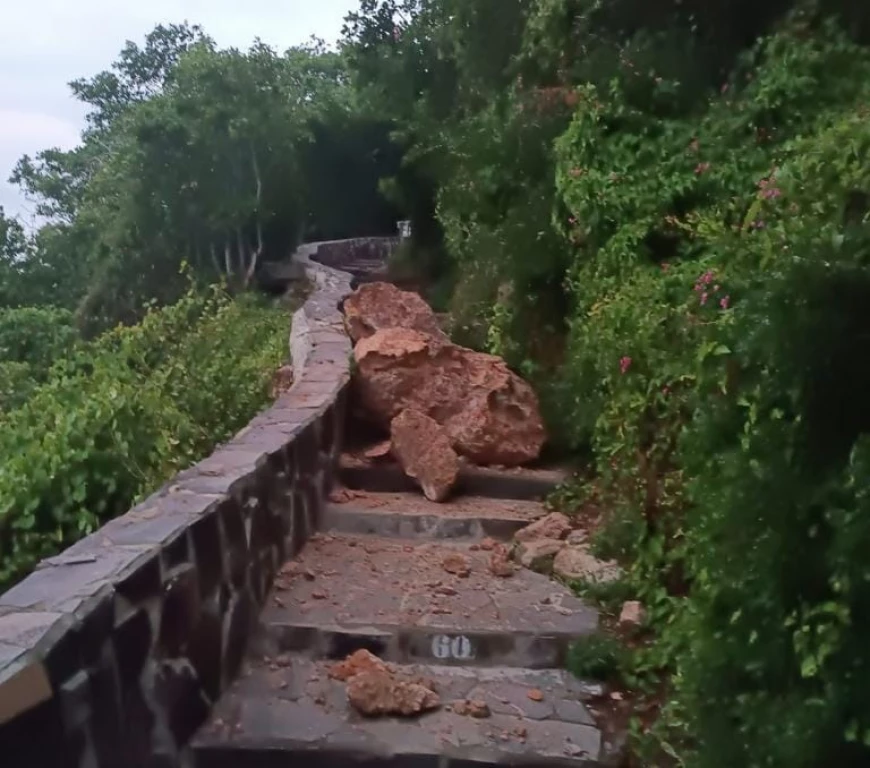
46, 43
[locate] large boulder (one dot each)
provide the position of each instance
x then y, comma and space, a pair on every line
422, 447
490, 414
375, 306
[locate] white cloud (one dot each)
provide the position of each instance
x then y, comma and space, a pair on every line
46, 43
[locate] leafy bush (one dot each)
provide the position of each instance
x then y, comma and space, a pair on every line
122, 414
717, 361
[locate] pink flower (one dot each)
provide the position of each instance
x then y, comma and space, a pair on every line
624, 365
704, 298
725, 302
572, 221
702, 168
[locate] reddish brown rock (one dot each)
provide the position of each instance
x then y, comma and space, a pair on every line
457, 564
499, 562
380, 450
471, 708
355, 664
423, 450
375, 306
377, 693
552, 526
490, 414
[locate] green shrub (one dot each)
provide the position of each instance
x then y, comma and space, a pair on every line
718, 362
121, 415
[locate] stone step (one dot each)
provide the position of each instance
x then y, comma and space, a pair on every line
523, 484
397, 600
412, 516
287, 711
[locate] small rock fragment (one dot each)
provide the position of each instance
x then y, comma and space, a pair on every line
536, 694
500, 564
379, 451
539, 555
579, 564
471, 708
552, 526
487, 545
457, 564
632, 615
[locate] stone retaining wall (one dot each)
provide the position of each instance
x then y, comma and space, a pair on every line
112, 653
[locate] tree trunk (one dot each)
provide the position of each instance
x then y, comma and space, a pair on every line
255, 258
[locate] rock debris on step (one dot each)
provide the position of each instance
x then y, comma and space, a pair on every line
552, 526
579, 564
539, 555
457, 564
422, 447
471, 708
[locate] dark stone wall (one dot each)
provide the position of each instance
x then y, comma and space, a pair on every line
113, 652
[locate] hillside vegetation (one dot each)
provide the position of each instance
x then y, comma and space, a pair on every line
657, 210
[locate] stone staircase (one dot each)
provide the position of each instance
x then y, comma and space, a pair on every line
374, 578
198, 628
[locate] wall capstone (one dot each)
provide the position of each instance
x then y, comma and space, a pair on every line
113, 652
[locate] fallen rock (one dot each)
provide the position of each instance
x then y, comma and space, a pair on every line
577, 563
490, 414
377, 693
457, 564
471, 708
422, 448
552, 526
536, 694
499, 562
539, 555
357, 663
632, 615
375, 306
378, 451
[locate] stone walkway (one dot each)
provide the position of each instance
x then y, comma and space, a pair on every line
388, 574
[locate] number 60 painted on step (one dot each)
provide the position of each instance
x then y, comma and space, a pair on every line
458, 647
